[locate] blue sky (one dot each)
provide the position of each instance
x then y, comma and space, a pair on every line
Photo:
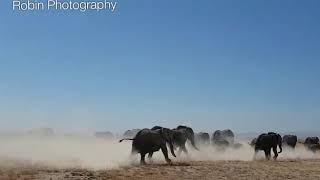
247, 65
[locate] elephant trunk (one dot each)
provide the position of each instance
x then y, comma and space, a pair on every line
280, 143
280, 146
172, 149
193, 144
190, 135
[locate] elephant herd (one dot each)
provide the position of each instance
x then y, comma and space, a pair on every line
271, 140
147, 141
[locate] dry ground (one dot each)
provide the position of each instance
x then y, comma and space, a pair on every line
282, 169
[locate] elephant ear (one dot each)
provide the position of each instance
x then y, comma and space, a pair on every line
163, 134
189, 131
190, 135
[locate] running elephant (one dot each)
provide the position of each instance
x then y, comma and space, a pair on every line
180, 136
149, 141
202, 138
269, 141
312, 144
224, 137
290, 140
311, 140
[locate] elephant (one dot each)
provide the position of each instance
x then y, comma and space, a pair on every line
224, 137
290, 140
311, 140
130, 133
269, 141
312, 144
202, 138
180, 136
148, 141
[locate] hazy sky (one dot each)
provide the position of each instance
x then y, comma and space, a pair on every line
249, 65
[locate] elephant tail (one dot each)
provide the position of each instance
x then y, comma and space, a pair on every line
129, 139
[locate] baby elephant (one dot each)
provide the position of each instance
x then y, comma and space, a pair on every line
150, 141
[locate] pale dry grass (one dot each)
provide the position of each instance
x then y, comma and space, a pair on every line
282, 169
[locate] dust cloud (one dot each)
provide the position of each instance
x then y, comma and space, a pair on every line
95, 153
246, 153
64, 152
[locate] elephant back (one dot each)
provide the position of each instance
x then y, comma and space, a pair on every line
156, 127
260, 139
188, 131
269, 138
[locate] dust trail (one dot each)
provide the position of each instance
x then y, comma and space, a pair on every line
246, 153
64, 152
95, 153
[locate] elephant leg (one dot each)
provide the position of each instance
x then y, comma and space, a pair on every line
165, 153
142, 161
150, 155
268, 153
275, 153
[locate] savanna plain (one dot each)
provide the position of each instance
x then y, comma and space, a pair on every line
84, 157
